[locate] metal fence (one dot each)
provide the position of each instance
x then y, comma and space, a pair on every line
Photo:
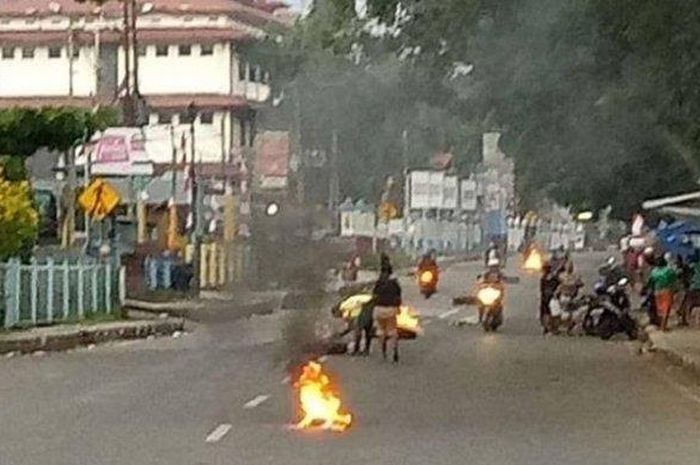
50, 292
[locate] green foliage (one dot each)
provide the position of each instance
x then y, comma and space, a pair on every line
23, 131
596, 98
19, 219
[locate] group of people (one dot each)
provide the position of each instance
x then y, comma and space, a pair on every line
382, 311
560, 283
671, 282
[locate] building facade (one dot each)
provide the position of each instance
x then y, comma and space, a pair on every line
61, 52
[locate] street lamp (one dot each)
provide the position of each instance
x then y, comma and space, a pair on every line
272, 209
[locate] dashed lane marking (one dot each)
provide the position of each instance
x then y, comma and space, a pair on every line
218, 433
448, 314
255, 402
286, 380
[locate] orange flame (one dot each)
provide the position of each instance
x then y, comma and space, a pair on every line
533, 261
408, 319
319, 404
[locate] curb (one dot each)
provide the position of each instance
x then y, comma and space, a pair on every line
37, 340
175, 309
672, 355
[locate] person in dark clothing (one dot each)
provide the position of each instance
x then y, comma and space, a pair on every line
387, 300
548, 286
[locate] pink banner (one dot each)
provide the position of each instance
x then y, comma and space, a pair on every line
112, 149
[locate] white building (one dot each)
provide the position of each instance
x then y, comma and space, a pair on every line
61, 52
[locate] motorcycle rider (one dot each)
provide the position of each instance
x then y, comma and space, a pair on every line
492, 277
387, 299
428, 261
492, 254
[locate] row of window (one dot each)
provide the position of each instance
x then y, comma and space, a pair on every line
182, 50
246, 130
90, 19
9, 53
252, 73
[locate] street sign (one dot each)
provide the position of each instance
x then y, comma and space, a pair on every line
99, 199
387, 211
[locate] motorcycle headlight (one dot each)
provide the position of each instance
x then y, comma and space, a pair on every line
488, 295
426, 277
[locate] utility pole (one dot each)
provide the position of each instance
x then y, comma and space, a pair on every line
172, 205
334, 182
71, 45
135, 45
194, 207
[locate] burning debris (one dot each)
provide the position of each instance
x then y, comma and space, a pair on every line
320, 404
534, 261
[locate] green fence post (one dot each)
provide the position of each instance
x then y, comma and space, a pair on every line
33, 292
93, 287
108, 286
81, 290
12, 289
49, 289
66, 289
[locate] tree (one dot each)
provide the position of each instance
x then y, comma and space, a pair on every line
19, 219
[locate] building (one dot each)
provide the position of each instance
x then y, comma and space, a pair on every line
185, 52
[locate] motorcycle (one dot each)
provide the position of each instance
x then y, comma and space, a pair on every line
490, 301
611, 313
427, 282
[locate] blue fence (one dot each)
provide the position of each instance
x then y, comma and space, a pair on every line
53, 292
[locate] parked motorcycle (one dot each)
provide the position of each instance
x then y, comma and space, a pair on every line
611, 313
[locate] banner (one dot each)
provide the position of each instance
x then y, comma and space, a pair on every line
426, 189
450, 192
469, 195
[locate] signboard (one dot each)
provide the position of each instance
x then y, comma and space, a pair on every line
99, 199
426, 189
120, 152
468, 193
450, 192
492, 198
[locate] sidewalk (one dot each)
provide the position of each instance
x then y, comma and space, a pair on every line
680, 346
64, 337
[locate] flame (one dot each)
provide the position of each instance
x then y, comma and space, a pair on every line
408, 319
488, 295
533, 261
319, 404
426, 277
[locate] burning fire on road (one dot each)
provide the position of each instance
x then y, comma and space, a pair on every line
534, 261
320, 404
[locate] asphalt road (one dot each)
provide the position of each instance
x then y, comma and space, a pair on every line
459, 396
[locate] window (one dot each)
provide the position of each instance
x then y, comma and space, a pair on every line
185, 50
252, 73
30, 21
241, 70
241, 124
165, 117
161, 50
206, 50
141, 50
76, 52
188, 19
8, 53
27, 52
54, 52
206, 117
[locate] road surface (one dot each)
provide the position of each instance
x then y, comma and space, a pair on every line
459, 396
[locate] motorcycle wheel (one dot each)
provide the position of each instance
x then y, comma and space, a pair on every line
607, 326
589, 325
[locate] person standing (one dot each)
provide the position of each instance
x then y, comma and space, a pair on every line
549, 282
387, 300
691, 299
662, 281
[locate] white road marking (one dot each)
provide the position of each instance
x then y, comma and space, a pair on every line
286, 380
448, 314
257, 401
323, 359
218, 433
